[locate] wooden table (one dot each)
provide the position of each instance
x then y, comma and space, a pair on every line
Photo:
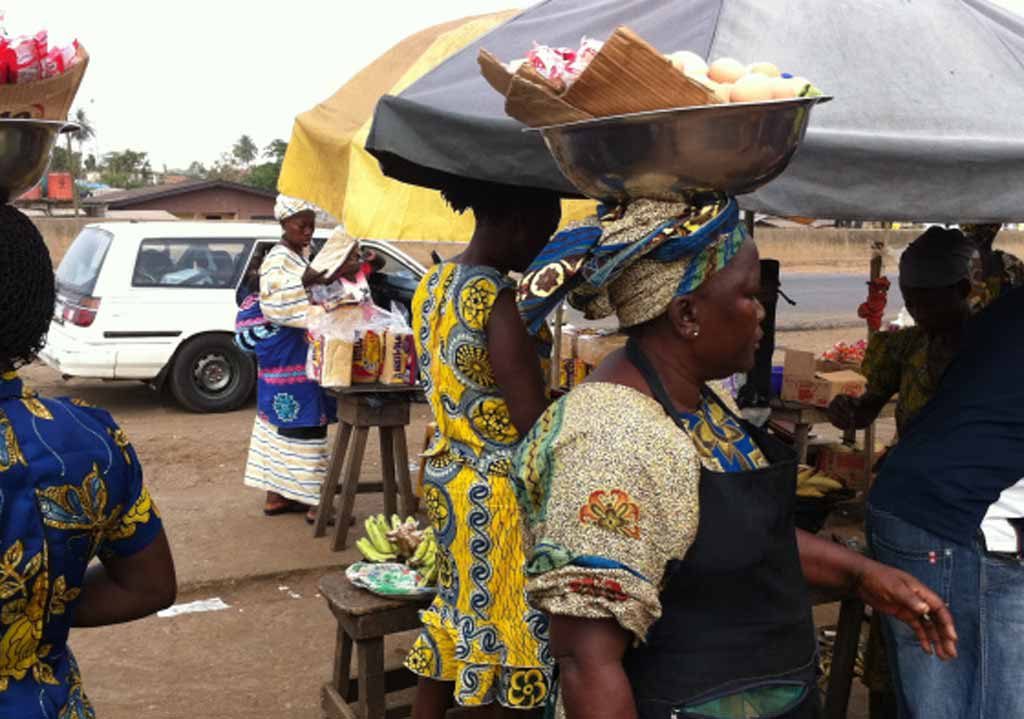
803, 417
360, 409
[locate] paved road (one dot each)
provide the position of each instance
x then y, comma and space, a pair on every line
822, 302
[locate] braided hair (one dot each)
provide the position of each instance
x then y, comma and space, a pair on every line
27, 292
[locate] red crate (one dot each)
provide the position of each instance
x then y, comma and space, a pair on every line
58, 186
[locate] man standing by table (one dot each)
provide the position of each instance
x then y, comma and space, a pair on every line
948, 507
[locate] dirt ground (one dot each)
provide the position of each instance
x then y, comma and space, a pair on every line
269, 652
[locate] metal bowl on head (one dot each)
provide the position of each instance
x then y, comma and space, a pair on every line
732, 148
25, 149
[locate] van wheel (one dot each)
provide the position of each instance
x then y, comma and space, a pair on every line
210, 374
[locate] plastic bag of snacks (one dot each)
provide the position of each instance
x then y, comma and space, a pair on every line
360, 344
37, 80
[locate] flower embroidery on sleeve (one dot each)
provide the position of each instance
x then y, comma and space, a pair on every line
614, 511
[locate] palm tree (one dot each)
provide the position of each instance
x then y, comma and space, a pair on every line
83, 134
245, 150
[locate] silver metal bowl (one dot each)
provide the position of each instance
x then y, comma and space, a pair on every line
733, 148
25, 149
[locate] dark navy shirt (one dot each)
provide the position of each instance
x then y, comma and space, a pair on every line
967, 445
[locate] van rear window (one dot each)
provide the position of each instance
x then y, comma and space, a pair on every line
81, 265
213, 264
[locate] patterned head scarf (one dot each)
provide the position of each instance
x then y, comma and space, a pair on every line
939, 258
632, 260
286, 207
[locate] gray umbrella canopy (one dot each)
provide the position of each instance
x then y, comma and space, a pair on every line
927, 124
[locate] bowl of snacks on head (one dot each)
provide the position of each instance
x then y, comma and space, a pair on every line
25, 149
624, 122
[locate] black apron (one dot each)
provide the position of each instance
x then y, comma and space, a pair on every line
735, 611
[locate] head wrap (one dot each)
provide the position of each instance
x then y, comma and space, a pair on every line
939, 258
632, 260
286, 207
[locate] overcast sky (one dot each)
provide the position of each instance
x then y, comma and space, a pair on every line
182, 80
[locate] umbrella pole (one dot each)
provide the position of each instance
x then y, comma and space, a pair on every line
556, 348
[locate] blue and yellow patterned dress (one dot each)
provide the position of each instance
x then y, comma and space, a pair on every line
70, 490
479, 633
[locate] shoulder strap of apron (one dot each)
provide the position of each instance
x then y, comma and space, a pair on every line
650, 375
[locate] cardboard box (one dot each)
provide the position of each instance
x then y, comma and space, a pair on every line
592, 349
843, 463
803, 383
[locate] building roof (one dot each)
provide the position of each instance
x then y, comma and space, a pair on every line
125, 199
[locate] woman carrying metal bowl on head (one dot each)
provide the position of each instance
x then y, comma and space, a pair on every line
660, 525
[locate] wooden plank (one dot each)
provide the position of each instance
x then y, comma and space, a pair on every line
333, 705
330, 487
372, 690
410, 502
350, 483
362, 411
387, 471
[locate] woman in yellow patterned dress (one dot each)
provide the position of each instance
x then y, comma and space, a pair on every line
481, 643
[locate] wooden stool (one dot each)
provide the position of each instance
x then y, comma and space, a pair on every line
363, 621
844, 651
359, 410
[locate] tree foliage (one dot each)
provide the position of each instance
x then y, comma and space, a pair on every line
126, 169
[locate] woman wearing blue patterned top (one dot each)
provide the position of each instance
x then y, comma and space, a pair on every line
71, 490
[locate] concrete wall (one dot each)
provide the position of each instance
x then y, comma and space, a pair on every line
799, 250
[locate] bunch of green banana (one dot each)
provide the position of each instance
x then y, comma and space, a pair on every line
376, 546
811, 483
425, 558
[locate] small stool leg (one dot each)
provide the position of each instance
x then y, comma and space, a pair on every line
343, 666
387, 471
350, 484
372, 680
330, 486
844, 657
409, 501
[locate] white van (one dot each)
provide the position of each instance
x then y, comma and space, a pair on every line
155, 301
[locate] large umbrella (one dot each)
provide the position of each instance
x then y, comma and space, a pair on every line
327, 162
928, 121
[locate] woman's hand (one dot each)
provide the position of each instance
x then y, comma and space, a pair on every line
313, 277
854, 412
890, 591
898, 594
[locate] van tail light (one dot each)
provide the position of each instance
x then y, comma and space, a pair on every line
83, 312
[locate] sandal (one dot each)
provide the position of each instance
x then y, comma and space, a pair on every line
282, 506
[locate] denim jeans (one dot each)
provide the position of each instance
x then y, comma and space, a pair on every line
985, 595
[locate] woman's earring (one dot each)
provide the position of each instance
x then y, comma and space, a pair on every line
696, 332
